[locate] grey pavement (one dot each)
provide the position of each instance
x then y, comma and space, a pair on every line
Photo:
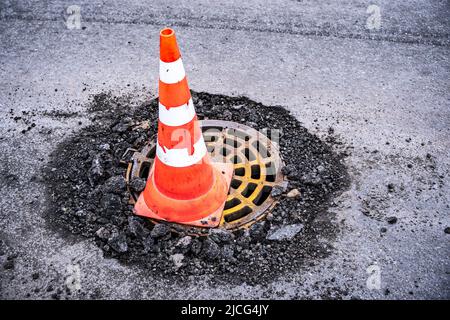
384, 92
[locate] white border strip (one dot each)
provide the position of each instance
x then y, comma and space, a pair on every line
177, 116
180, 157
171, 72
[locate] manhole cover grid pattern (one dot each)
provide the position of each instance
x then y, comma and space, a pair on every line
257, 169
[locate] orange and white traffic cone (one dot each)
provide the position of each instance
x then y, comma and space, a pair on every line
183, 186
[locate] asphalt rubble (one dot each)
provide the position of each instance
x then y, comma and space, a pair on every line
87, 195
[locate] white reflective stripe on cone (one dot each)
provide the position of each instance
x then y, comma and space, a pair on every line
180, 157
171, 72
177, 116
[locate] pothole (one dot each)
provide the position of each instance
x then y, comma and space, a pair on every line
88, 194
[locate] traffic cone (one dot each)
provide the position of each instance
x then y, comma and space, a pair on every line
183, 186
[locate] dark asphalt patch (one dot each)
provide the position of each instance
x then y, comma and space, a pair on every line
87, 196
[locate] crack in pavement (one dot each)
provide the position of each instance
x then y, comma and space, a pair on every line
406, 36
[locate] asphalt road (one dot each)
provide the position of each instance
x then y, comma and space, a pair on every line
385, 92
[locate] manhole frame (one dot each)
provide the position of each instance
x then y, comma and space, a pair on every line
138, 163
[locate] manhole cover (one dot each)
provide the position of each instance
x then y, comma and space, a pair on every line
257, 169
86, 194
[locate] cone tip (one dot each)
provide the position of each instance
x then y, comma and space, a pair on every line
169, 51
167, 32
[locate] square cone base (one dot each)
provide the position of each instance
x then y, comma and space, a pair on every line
212, 220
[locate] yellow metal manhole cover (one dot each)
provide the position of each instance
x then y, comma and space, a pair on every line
257, 169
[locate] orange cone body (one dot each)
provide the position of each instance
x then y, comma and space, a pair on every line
183, 185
